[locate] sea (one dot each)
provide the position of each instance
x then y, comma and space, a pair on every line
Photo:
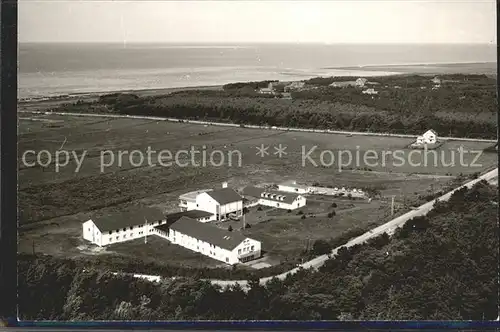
55, 69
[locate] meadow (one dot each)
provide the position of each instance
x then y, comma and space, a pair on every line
52, 205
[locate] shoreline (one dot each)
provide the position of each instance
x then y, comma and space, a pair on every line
396, 69
96, 94
433, 68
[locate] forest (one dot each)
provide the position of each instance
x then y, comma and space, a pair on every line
442, 266
463, 106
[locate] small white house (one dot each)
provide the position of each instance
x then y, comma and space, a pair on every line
291, 186
268, 90
360, 82
278, 199
122, 227
220, 244
436, 80
370, 91
429, 137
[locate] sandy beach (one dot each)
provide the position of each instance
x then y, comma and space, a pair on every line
487, 68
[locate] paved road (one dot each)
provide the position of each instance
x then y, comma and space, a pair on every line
326, 131
388, 227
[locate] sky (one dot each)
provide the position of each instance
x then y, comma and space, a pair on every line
334, 21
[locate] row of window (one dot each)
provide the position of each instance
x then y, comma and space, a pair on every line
124, 236
157, 223
246, 249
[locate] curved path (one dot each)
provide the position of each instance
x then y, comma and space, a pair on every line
389, 228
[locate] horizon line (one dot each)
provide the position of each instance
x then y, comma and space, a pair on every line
257, 42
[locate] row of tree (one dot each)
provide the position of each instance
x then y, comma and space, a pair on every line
443, 266
466, 106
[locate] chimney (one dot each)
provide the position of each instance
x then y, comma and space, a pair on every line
224, 184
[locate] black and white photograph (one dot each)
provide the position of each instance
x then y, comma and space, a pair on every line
257, 160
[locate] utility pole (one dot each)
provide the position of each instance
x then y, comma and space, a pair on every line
392, 205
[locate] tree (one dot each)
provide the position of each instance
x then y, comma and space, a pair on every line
321, 247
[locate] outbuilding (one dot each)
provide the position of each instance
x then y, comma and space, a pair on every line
291, 186
278, 199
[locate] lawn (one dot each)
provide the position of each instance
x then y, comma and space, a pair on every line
53, 205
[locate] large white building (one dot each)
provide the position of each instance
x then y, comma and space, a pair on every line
209, 240
122, 227
184, 228
221, 203
278, 199
187, 201
291, 186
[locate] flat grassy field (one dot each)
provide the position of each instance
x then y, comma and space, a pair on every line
53, 204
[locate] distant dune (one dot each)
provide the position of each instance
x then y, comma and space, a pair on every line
487, 68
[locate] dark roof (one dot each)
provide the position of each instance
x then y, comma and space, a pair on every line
173, 217
256, 192
208, 233
121, 220
195, 214
252, 191
224, 195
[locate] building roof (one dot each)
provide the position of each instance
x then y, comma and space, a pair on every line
195, 214
173, 217
343, 83
208, 233
431, 131
294, 184
257, 192
121, 220
224, 195
191, 196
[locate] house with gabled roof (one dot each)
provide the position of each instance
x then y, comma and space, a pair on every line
121, 227
292, 186
429, 137
222, 203
274, 198
182, 228
230, 247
